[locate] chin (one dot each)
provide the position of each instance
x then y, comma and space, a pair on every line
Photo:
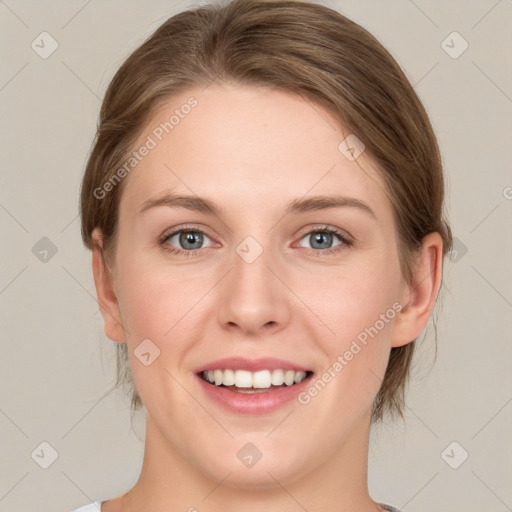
261, 476
271, 465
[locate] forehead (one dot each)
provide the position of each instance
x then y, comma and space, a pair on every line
249, 144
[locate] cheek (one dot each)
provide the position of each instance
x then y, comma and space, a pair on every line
153, 297
357, 309
351, 299
157, 306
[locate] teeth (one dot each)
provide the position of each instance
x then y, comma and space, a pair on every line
243, 379
228, 378
217, 376
262, 379
289, 377
277, 378
299, 377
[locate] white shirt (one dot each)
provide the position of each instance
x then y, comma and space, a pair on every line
93, 507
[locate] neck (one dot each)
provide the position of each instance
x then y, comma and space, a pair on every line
170, 482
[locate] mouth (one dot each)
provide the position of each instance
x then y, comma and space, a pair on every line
249, 382
252, 386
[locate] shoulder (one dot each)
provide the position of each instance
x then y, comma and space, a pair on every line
92, 507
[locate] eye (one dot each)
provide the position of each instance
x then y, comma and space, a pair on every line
184, 241
188, 241
324, 240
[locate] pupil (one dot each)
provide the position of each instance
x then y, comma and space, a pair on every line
196, 239
326, 238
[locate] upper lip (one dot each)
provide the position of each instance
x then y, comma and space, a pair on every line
252, 365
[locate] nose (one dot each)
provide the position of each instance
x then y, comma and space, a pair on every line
253, 299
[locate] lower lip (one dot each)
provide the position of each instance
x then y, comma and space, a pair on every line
252, 403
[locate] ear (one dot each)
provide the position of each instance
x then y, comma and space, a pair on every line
107, 300
419, 297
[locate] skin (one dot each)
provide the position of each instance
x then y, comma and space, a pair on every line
251, 151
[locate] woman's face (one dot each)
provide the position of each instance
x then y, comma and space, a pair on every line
256, 285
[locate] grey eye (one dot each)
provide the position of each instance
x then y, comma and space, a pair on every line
187, 240
320, 240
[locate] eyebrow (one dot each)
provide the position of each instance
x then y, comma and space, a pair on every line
202, 205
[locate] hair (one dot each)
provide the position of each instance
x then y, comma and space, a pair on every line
297, 47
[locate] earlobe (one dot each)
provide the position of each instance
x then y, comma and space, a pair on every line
107, 300
419, 296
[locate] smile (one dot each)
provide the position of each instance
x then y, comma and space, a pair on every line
244, 381
251, 386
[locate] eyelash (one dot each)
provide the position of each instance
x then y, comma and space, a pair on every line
345, 242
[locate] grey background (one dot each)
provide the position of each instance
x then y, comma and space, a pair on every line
56, 363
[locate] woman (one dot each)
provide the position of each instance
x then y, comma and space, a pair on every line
263, 203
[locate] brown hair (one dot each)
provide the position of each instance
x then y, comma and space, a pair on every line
298, 47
